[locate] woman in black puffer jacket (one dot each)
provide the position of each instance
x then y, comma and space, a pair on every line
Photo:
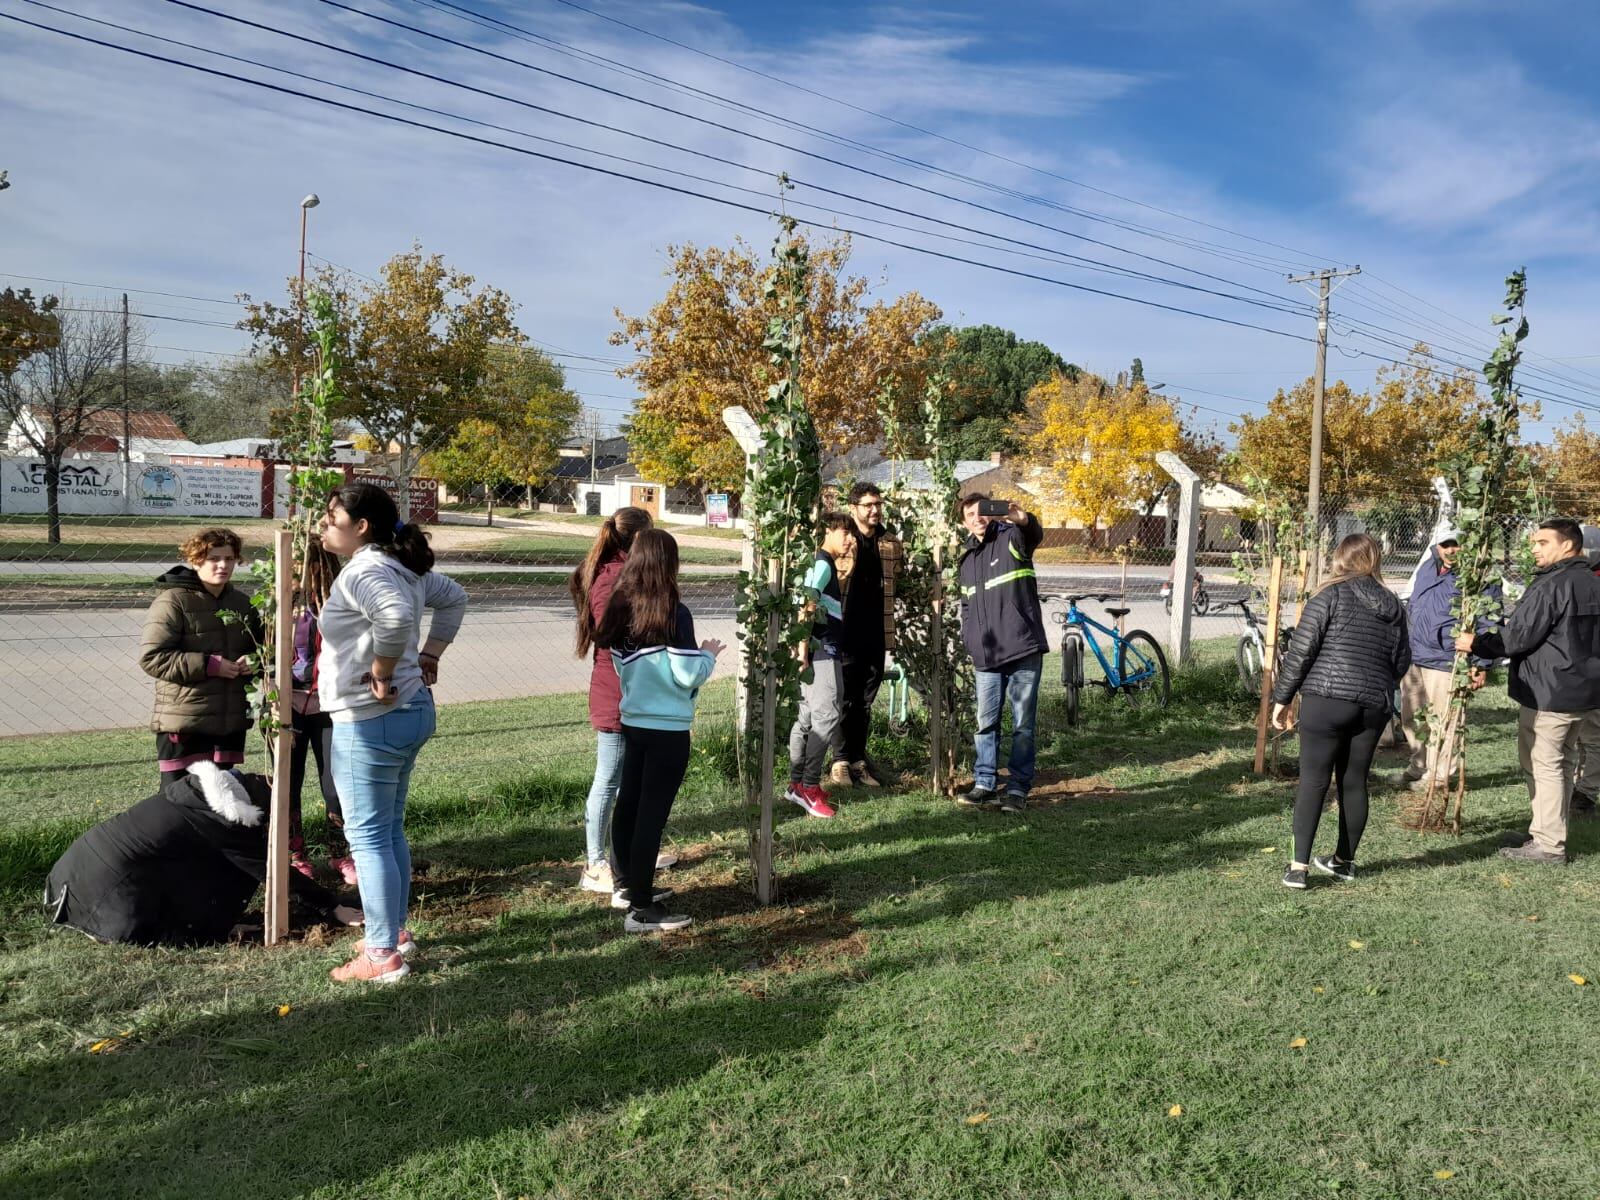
1349, 650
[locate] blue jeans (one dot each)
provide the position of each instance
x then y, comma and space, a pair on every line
602, 794
1019, 682
372, 763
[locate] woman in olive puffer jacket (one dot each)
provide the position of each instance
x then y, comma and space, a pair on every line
1348, 652
199, 657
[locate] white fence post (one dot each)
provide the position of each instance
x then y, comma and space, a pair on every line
1183, 556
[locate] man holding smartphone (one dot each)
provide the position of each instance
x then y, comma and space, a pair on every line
1002, 626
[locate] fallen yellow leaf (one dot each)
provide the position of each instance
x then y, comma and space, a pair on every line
1355, 945
99, 1046
285, 1009
1269, 849
1441, 1173
1532, 916
1175, 1111
1318, 990
977, 1118
1578, 979
1298, 1044
1441, 1062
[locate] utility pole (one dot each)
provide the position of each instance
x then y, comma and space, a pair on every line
1323, 280
127, 418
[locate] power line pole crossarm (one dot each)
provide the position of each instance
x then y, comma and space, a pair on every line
1325, 289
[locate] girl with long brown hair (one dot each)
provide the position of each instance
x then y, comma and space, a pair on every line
650, 636
313, 728
591, 586
1348, 652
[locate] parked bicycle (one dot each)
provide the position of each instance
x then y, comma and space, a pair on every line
1251, 653
1137, 669
1200, 597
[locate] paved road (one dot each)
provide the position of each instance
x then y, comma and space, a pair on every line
77, 669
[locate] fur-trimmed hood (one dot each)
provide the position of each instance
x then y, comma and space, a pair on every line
226, 795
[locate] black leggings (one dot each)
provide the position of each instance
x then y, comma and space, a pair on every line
313, 737
653, 765
1337, 738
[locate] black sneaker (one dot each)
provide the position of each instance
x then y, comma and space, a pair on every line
1013, 802
1329, 865
655, 919
622, 897
978, 797
1295, 877
1583, 806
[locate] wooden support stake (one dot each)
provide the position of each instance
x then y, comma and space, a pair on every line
1269, 661
276, 923
936, 765
769, 721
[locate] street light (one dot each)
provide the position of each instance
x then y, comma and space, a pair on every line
306, 205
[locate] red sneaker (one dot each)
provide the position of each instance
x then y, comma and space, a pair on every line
362, 969
811, 798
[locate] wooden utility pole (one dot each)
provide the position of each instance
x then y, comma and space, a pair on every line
1324, 280
127, 419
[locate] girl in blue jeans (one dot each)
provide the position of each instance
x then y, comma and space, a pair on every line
590, 587
373, 676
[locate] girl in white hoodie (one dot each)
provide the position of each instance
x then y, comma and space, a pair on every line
373, 676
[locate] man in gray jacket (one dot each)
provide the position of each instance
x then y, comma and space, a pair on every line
1553, 640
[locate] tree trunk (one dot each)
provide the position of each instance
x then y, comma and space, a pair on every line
488, 494
52, 493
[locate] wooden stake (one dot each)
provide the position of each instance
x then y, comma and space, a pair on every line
769, 720
936, 766
276, 923
1269, 661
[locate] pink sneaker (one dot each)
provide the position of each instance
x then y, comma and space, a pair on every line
346, 867
362, 969
406, 948
811, 798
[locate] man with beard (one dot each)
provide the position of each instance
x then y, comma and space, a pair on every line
867, 576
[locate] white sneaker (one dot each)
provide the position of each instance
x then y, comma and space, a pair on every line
666, 859
596, 877
619, 898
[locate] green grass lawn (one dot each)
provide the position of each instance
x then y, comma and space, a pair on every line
1101, 998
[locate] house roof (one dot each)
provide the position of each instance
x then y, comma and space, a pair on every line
108, 423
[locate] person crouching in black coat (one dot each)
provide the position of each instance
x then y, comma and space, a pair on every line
1349, 650
178, 868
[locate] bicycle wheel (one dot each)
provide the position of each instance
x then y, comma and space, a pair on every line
1202, 602
1143, 670
1249, 656
1072, 673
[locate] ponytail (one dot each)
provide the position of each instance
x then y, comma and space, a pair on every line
612, 542
403, 541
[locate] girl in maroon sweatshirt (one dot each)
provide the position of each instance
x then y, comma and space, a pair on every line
591, 586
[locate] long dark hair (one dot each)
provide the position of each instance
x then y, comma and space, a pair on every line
403, 541
611, 543
643, 609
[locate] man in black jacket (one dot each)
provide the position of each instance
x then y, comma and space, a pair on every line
1553, 640
1003, 629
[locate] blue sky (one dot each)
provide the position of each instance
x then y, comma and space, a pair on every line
1437, 143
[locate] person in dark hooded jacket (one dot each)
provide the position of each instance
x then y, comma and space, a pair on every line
198, 636
178, 868
1349, 650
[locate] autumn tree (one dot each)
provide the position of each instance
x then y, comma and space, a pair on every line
69, 375
28, 324
414, 350
1375, 445
1572, 461
701, 350
1090, 445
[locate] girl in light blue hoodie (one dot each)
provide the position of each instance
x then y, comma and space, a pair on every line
650, 636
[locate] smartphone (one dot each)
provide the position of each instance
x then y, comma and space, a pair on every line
993, 508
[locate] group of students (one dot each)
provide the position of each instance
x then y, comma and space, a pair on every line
179, 867
1355, 645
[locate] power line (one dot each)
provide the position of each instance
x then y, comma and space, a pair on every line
1276, 302
108, 287
460, 135
934, 134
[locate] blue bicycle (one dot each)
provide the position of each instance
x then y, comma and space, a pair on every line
1139, 671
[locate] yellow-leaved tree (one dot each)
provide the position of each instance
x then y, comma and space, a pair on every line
701, 349
1089, 447
1573, 462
